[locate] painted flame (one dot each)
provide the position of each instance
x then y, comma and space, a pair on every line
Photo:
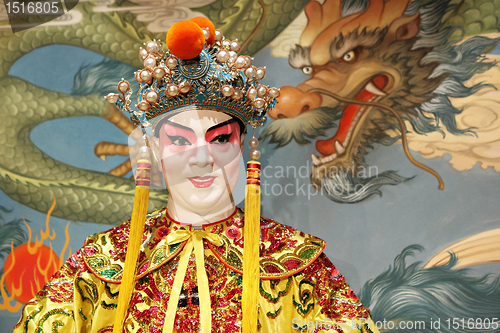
9, 302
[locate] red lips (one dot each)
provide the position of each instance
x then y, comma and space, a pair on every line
202, 182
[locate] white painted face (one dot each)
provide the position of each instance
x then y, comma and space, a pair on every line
200, 154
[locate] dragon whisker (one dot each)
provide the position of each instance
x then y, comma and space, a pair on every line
401, 125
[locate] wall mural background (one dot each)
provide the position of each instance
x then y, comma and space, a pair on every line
64, 172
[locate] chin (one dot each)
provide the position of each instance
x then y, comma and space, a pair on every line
208, 199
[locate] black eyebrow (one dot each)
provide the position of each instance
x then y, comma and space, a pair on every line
224, 123
178, 125
227, 122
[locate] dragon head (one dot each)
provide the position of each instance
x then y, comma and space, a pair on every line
368, 56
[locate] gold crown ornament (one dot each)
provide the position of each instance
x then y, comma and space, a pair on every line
200, 68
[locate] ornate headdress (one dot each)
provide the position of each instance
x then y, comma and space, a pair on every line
200, 68
203, 69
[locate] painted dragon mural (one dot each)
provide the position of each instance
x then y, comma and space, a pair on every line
412, 58
372, 65
408, 58
428, 295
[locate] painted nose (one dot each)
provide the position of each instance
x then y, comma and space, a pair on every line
292, 102
203, 156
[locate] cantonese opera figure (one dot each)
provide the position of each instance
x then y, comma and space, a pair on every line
200, 264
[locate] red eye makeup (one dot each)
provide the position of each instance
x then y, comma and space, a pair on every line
228, 133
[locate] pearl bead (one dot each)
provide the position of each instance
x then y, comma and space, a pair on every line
138, 76
144, 152
274, 92
151, 47
235, 46
184, 87
253, 143
250, 72
172, 62
254, 154
232, 56
240, 62
173, 90
206, 33
145, 75
261, 91
123, 86
143, 53
227, 91
260, 73
249, 61
143, 106
111, 98
150, 62
159, 73
259, 103
151, 96
238, 94
218, 35
251, 93
222, 56
226, 43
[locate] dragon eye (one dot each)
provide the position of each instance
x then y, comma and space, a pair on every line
350, 56
307, 70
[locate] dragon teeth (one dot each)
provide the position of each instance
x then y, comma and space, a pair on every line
327, 159
371, 87
339, 148
315, 160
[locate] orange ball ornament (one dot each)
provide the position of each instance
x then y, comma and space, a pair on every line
185, 39
205, 23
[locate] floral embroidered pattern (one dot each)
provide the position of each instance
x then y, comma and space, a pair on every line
284, 250
314, 292
305, 299
233, 233
276, 289
106, 260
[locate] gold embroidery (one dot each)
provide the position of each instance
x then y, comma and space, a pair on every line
289, 252
53, 312
273, 290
